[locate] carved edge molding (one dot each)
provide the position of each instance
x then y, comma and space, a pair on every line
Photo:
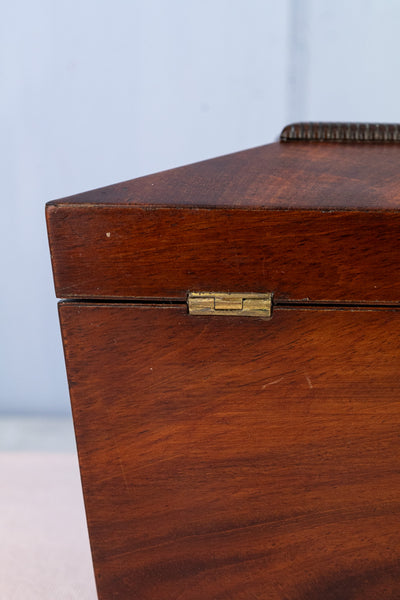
341, 132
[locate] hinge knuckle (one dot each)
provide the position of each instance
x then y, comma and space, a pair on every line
230, 304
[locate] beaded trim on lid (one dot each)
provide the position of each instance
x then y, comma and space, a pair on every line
341, 132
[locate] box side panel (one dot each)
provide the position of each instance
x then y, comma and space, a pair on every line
238, 458
132, 252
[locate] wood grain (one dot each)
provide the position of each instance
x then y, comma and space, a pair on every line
133, 252
232, 458
327, 176
308, 222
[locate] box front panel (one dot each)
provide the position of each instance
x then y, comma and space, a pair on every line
122, 252
234, 458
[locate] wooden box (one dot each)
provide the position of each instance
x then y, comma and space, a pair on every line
229, 450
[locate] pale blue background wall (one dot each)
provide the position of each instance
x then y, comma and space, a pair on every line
94, 92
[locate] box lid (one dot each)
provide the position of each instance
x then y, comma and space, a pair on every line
307, 218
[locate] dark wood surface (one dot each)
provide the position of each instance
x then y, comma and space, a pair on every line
294, 175
306, 221
228, 458
384, 133
132, 252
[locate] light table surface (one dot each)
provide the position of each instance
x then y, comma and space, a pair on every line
44, 549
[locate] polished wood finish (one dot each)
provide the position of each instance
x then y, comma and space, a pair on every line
232, 458
165, 253
235, 458
296, 175
308, 222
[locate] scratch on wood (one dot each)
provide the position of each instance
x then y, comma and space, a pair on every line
272, 382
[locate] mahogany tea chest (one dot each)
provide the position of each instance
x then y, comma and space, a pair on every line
231, 332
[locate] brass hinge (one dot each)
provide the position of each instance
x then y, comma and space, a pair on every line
220, 303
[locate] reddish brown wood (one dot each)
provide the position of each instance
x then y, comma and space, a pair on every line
227, 457
164, 253
234, 458
308, 222
281, 176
